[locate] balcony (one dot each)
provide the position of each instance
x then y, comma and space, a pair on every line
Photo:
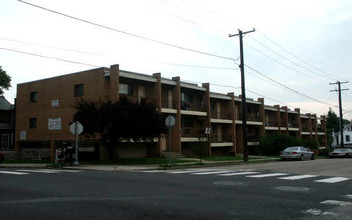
191, 132
271, 124
220, 115
190, 106
221, 139
250, 117
165, 103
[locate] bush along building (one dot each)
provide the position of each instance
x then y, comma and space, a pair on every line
45, 109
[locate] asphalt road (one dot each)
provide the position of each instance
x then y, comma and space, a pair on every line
234, 192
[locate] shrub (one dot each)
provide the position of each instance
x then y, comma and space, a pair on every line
273, 144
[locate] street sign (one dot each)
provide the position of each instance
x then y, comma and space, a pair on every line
207, 130
79, 128
170, 121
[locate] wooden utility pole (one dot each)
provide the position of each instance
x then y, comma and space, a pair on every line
243, 91
340, 108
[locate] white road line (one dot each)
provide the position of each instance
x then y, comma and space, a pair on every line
268, 175
212, 172
13, 172
348, 196
237, 174
332, 180
189, 171
62, 171
298, 177
154, 171
37, 171
335, 202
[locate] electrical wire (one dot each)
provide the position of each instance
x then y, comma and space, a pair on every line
127, 33
47, 46
202, 67
47, 57
282, 64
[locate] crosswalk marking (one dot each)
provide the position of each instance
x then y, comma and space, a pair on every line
63, 171
349, 196
212, 172
253, 174
298, 177
39, 171
189, 171
13, 172
237, 174
267, 175
335, 202
332, 180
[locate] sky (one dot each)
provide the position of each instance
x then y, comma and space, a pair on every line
298, 47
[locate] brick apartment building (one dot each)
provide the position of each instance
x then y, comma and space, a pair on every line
44, 110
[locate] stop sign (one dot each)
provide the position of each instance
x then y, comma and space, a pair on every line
79, 128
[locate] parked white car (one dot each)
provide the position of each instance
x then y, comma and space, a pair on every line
297, 153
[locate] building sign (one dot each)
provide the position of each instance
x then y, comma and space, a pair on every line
23, 135
54, 103
54, 124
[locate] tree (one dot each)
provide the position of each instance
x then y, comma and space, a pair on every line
200, 148
113, 122
333, 124
5, 81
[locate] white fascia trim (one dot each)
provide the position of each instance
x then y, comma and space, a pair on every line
223, 121
137, 76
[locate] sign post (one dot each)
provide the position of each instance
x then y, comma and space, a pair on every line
76, 128
170, 122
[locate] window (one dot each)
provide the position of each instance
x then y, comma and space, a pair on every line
348, 138
33, 123
78, 90
125, 89
33, 97
186, 97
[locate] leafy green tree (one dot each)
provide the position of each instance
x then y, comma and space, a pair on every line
113, 122
333, 124
5, 81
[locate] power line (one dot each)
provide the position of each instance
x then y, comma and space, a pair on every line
282, 64
288, 88
289, 60
47, 46
202, 67
47, 57
272, 41
127, 33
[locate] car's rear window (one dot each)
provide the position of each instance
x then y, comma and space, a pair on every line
291, 148
342, 150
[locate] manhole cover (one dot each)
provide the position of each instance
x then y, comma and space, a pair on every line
227, 183
292, 188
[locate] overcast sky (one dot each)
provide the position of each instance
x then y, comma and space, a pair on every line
303, 45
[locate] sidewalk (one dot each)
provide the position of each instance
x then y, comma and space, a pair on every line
104, 167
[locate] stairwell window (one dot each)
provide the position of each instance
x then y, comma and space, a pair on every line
125, 89
33, 97
33, 123
78, 90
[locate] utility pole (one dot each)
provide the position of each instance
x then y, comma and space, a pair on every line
243, 91
340, 107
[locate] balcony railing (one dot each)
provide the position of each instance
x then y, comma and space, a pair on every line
253, 138
220, 115
250, 117
191, 132
292, 124
220, 139
305, 129
283, 124
271, 123
190, 106
168, 104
